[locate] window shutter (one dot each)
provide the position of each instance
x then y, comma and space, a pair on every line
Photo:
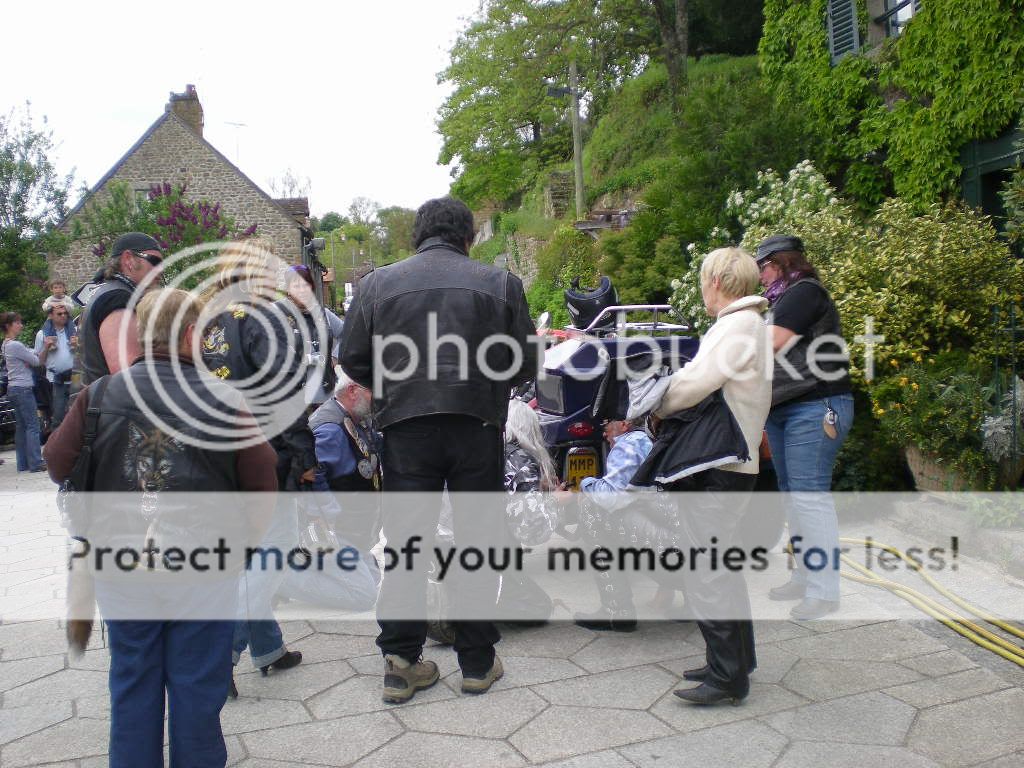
843, 37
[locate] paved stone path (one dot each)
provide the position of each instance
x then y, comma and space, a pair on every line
885, 693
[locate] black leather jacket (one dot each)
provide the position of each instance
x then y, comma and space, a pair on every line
236, 345
471, 301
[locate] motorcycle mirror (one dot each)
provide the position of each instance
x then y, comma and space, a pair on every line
543, 321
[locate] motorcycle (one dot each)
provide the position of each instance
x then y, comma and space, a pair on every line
579, 370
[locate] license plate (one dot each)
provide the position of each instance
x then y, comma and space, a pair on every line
581, 465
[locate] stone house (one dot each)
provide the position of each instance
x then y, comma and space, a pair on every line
173, 150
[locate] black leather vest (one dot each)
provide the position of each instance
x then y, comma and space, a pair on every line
331, 412
94, 364
178, 494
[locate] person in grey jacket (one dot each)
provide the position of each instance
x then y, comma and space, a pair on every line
20, 361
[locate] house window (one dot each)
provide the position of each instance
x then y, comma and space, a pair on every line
987, 166
895, 15
141, 196
843, 30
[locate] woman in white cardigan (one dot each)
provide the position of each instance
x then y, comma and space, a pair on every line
735, 356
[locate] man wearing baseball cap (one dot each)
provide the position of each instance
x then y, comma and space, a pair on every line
133, 256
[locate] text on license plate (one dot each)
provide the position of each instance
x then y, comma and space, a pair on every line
581, 465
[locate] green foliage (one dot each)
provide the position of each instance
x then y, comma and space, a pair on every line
926, 279
543, 296
939, 406
166, 213
499, 126
683, 167
330, 222
394, 231
487, 251
33, 199
1013, 195
894, 120
870, 459
568, 254
527, 222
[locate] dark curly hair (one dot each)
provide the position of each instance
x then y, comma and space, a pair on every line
444, 217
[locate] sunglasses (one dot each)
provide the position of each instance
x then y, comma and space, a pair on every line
154, 261
765, 264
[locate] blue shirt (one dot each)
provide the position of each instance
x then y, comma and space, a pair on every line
629, 451
334, 456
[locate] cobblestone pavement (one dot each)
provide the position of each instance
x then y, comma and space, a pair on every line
829, 693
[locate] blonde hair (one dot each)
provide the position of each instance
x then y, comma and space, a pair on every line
246, 262
160, 312
735, 270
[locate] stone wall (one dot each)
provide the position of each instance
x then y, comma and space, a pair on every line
175, 154
522, 257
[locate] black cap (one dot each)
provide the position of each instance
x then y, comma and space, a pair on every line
134, 241
775, 244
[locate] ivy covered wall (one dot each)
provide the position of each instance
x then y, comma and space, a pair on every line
894, 117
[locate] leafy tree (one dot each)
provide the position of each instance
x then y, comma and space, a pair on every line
33, 199
1013, 195
330, 222
395, 231
500, 66
500, 127
167, 214
363, 212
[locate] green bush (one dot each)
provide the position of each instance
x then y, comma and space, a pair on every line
544, 296
926, 280
939, 407
487, 251
683, 167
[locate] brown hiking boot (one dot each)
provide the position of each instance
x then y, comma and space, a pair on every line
483, 684
402, 678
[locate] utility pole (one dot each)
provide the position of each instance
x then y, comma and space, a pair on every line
577, 140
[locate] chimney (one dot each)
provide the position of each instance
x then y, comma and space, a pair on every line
186, 106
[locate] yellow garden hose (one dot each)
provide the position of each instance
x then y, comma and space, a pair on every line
958, 623
916, 566
954, 621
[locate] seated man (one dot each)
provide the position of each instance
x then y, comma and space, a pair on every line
344, 511
630, 446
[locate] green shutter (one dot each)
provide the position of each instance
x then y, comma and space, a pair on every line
843, 36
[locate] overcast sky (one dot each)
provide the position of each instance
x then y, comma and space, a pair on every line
343, 93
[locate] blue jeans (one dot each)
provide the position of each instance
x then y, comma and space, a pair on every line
26, 432
804, 456
255, 628
59, 405
191, 660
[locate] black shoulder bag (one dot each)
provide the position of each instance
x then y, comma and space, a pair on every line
74, 510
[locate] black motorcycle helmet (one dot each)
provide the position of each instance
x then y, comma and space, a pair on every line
584, 305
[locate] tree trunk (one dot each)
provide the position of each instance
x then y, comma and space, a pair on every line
682, 39
674, 28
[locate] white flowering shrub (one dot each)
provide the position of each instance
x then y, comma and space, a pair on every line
802, 203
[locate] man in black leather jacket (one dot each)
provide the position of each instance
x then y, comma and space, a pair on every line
440, 340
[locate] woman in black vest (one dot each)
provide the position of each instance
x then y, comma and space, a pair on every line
248, 343
812, 411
